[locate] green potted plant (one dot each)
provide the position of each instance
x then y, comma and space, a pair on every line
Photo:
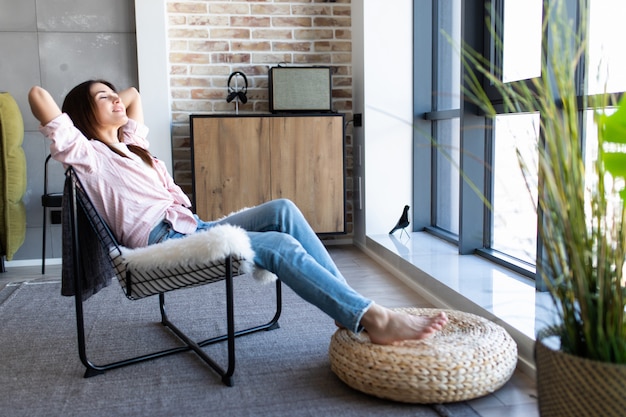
582, 224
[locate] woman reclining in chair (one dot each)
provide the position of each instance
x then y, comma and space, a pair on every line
142, 204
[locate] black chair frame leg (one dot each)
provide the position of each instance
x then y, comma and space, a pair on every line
188, 344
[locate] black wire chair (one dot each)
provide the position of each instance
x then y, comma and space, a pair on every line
158, 281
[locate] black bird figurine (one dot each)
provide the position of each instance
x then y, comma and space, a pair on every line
403, 222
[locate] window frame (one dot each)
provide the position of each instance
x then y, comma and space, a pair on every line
477, 137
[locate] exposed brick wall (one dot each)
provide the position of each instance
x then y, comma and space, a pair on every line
210, 39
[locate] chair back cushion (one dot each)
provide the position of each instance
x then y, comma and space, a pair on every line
12, 177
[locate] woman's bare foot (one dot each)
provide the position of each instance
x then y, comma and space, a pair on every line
385, 327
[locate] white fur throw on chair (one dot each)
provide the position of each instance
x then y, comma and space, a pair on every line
197, 249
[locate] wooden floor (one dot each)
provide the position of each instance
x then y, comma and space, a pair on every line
516, 399
29, 273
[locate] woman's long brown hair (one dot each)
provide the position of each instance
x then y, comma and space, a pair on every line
84, 116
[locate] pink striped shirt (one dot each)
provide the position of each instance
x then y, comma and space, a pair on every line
131, 200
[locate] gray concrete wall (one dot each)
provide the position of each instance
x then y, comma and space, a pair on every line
58, 44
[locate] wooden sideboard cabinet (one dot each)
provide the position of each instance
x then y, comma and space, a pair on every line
244, 160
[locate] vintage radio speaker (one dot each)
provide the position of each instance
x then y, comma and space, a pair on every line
300, 89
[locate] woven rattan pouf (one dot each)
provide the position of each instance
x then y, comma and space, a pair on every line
469, 358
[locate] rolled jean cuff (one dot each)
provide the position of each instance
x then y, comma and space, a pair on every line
357, 327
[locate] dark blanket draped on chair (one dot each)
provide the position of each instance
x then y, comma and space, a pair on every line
98, 270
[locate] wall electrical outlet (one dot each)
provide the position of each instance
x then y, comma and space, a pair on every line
358, 120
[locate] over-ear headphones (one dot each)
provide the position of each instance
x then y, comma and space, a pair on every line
240, 93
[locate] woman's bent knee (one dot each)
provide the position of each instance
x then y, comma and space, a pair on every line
286, 208
285, 204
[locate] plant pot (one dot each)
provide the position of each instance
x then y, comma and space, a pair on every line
569, 385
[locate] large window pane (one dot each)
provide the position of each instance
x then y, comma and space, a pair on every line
447, 78
521, 55
448, 75
514, 215
448, 177
591, 156
607, 61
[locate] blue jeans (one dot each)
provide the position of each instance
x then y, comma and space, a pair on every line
285, 244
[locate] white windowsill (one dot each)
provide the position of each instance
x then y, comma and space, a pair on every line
434, 268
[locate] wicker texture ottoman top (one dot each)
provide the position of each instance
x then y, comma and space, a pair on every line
469, 358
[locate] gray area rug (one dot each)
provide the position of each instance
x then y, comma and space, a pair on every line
284, 372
